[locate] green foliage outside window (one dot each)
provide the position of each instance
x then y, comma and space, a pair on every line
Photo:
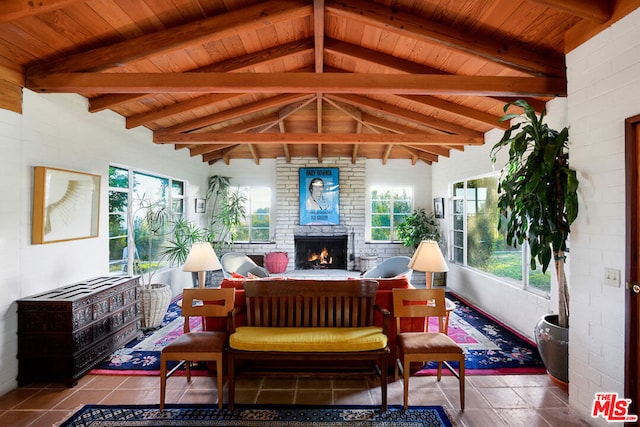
390, 206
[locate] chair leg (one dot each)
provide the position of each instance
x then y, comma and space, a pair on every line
163, 380
406, 369
384, 362
232, 381
219, 377
187, 364
462, 381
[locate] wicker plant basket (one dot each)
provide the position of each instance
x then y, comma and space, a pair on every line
155, 301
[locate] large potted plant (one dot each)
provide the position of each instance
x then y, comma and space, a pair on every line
421, 225
150, 227
226, 211
538, 202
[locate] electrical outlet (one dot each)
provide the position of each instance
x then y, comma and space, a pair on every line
612, 277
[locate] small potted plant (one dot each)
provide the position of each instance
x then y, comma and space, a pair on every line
419, 226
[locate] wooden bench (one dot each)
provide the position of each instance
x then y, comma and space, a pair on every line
330, 323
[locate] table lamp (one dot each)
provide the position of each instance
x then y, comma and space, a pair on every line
428, 258
201, 258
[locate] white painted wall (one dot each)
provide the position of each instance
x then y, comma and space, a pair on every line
604, 90
57, 131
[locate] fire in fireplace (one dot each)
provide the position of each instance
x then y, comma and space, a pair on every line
326, 252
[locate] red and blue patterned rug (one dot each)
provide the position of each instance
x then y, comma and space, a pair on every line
490, 347
249, 415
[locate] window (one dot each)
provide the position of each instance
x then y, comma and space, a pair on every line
133, 195
477, 242
389, 207
256, 225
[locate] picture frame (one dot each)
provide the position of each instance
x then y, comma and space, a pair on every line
66, 205
200, 205
319, 196
438, 207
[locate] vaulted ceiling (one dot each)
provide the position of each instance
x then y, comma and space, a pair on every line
232, 79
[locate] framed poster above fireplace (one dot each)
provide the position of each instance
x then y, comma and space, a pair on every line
319, 196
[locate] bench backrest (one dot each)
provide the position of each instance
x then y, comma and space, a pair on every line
310, 303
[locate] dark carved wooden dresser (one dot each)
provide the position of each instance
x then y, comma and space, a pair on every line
65, 332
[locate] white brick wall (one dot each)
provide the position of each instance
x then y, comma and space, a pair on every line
286, 219
604, 90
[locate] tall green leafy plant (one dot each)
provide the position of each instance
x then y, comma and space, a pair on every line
538, 193
417, 227
227, 210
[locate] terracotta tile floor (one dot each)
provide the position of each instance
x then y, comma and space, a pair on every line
510, 400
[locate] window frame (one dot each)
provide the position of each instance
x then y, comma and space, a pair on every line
129, 191
397, 188
522, 284
248, 190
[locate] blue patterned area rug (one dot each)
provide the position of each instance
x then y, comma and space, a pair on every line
490, 347
254, 416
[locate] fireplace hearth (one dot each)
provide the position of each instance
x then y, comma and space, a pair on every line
320, 252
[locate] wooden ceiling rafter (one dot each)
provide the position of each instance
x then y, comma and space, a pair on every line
276, 101
243, 63
218, 27
399, 84
315, 138
407, 79
529, 62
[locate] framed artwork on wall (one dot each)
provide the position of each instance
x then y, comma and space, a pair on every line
201, 206
319, 196
438, 207
65, 205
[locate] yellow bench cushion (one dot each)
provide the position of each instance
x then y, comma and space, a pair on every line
306, 339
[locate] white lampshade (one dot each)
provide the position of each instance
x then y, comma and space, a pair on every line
428, 258
202, 257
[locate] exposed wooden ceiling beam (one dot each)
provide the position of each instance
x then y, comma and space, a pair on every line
217, 27
254, 153
409, 25
373, 57
396, 127
199, 123
403, 84
314, 138
16, 9
178, 108
583, 31
237, 64
458, 110
595, 10
416, 154
390, 110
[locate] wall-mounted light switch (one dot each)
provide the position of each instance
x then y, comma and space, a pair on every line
612, 277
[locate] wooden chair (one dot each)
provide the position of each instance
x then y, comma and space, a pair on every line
425, 346
202, 345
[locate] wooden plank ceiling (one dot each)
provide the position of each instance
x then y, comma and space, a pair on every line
231, 79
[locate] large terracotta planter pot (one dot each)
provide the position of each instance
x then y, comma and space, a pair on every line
553, 345
276, 262
154, 301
